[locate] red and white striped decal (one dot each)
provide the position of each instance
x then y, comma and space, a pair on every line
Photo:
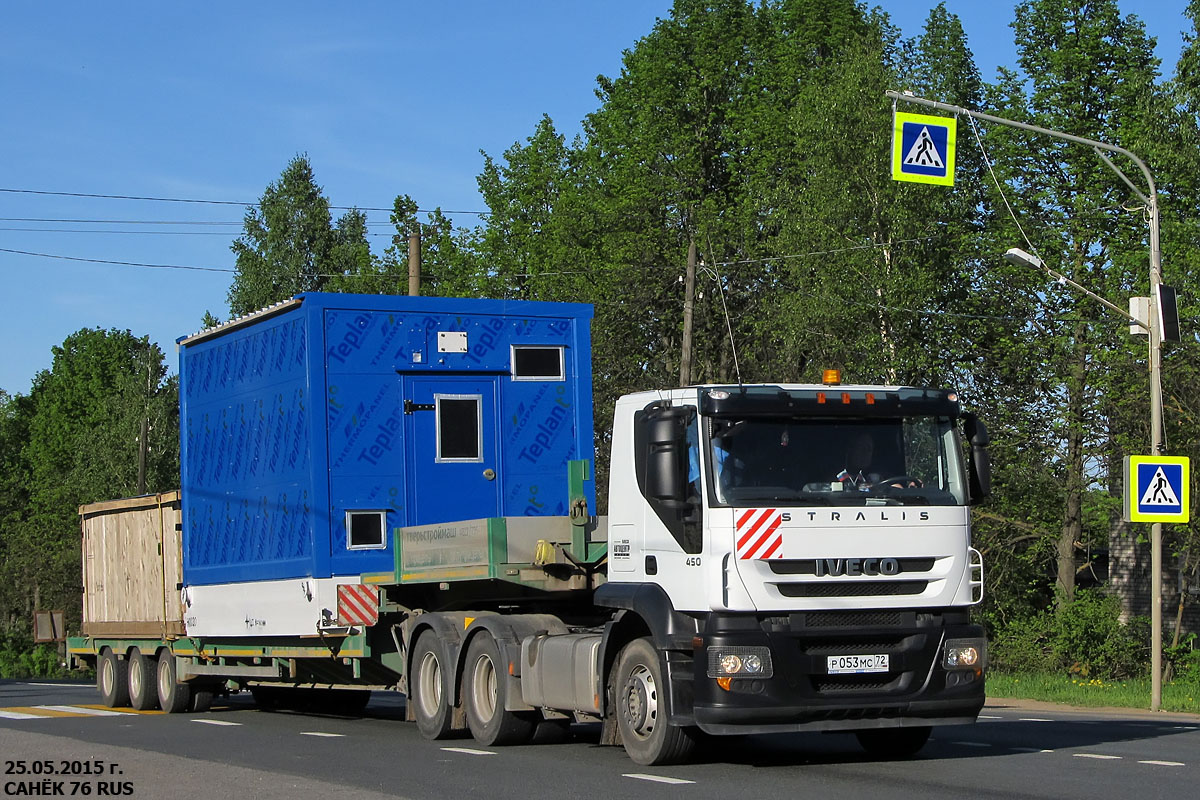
357, 604
758, 534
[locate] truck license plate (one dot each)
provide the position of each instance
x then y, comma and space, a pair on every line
842, 665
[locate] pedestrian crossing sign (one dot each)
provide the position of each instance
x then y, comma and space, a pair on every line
1157, 489
923, 148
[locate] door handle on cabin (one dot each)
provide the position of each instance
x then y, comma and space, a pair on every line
490, 474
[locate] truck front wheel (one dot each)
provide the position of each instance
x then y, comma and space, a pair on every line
427, 688
112, 679
894, 742
640, 693
484, 693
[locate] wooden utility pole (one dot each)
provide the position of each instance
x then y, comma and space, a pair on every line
689, 303
414, 261
143, 445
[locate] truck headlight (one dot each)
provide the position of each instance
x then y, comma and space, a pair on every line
965, 654
747, 662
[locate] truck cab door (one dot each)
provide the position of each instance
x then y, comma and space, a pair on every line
671, 530
451, 451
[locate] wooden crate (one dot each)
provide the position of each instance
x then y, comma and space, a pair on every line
132, 567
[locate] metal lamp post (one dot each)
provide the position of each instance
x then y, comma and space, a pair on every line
1150, 198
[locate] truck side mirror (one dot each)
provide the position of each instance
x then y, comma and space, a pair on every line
666, 454
981, 461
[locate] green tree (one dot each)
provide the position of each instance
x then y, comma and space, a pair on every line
15, 558
86, 415
1087, 71
290, 245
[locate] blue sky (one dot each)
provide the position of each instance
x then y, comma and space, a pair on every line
209, 101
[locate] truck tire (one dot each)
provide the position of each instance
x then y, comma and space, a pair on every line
484, 691
173, 696
427, 687
893, 742
142, 695
112, 679
349, 702
202, 697
269, 698
640, 692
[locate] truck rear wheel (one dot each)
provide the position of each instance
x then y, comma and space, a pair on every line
173, 696
141, 681
640, 693
894, 742
427, 688
112, 679
484, 693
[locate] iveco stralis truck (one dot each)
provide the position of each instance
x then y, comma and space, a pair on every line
386, 493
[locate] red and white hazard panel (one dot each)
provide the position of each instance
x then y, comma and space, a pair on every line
758, 534
357, 604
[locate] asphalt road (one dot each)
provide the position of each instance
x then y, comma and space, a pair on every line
1016, 751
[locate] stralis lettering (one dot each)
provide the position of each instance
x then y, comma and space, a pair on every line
865, 516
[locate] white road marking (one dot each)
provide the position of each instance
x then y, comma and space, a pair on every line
319, 733
1164, 763
1033, 719
215, 722
469, 751
1097, 755
1030, 750
94, 712
21, 715
655, 778
62, 686
985, 716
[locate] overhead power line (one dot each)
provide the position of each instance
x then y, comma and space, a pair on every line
120, 221
211, 202
119, 263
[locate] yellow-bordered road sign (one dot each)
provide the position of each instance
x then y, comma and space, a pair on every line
1157, 489
923, 148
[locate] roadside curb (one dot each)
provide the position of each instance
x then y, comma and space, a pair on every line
1001, 703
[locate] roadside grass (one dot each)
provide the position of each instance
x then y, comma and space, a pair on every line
1077, 690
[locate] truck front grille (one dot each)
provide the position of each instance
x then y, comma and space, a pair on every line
852, 588
854, 683
849, 619
808, 566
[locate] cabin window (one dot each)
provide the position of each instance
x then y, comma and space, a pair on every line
365, 530
459, 427
537, 363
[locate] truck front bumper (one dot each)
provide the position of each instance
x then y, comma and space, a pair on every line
805, 692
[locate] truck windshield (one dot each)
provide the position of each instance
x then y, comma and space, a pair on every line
789, 462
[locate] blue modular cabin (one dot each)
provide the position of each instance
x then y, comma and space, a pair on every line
311, 429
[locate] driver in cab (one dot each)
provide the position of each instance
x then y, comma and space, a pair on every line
861, 473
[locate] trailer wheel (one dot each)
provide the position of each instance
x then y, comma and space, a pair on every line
484, 693
427, 688
640, 691
173, 696
202, 697
141, 681
893, 742
112, 679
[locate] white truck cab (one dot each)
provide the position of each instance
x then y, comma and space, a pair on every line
801, 556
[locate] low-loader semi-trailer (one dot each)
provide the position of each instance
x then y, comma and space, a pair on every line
395, 494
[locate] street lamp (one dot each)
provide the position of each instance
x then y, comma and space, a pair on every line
1016, 256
